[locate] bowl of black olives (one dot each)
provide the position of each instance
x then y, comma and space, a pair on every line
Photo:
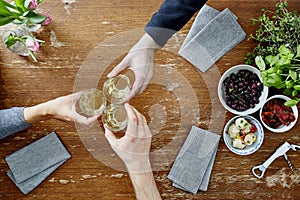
241, 90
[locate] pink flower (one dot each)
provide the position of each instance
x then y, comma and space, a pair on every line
47, 20
33, 4
32, 45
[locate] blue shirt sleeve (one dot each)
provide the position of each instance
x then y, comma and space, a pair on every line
11, 121
171, 17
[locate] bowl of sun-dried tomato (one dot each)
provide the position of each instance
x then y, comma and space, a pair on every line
277, 117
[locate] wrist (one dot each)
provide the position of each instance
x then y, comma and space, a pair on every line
147, 42
37, 113
139, 165
151, 42
47, 109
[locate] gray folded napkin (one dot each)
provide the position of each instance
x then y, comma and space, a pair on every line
211, 36
32, 164
192, 167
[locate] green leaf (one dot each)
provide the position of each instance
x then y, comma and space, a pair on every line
291, 102
283, 50
289, 84
3, 9
35, 18
275, 80
271, 59
272, 70
283, 61
7, 4
293, 75
285, 53
12, 11
294, 93
287, 92
20, 11
296, 87
10, 41
259, 61
264, 74
26, 4
5, 20
20, 5
298, 51
279, 71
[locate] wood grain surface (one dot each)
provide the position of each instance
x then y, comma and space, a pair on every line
178, 97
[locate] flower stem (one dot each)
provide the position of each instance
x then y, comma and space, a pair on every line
29, 51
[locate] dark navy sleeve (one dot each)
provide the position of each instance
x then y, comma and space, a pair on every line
171, 17
11, 121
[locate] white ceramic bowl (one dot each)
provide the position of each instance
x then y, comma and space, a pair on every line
248, 149
282, 128
221, 92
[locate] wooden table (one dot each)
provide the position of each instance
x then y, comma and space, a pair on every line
178, 97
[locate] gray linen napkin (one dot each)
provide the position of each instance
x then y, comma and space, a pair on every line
30, 165
192, 167
212, 35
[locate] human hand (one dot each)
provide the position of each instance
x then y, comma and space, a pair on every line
134, 147
140, 60
61, 108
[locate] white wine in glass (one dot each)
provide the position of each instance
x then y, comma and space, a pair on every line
117, 89
114, 117
92, 102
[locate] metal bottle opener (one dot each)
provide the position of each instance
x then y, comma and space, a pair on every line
280, 151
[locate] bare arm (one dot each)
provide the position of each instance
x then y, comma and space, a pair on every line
140, 59
61, 108
144, 186
133, 148
16, 119
36, 113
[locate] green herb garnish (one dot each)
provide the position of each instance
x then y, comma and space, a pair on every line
275, 29
282, 71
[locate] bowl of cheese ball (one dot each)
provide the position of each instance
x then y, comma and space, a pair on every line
243, 135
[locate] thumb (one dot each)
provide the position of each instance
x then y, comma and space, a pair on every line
111, 138
120, 67
134, 91
76, 96
136, 88
85, 121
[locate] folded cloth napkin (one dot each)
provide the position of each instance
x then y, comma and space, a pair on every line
192, 167
211, 36
32, 164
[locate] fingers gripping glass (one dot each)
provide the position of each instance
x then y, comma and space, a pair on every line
117, 89
114, 117
92, 102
